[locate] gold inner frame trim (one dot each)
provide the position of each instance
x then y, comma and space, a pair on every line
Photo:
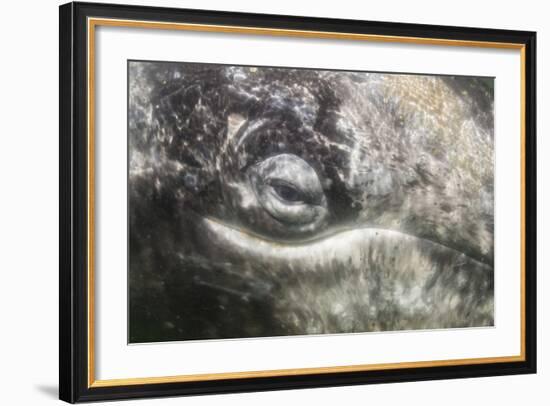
94, 22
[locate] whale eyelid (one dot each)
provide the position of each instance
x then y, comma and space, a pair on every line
308, 197
279, 181
305, 197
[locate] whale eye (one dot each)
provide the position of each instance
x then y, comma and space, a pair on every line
290, 191
286, 191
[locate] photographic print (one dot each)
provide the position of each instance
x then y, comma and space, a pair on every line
254, 202
271, 201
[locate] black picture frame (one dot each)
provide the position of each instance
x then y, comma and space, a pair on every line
74, 382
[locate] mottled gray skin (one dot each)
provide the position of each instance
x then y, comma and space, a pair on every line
271, 201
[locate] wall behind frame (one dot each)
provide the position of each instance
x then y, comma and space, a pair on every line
29, 203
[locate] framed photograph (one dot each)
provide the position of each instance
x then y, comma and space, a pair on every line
256, 202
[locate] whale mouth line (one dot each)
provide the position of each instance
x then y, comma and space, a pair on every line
219, 227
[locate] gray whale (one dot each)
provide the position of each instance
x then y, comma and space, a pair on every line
270, 201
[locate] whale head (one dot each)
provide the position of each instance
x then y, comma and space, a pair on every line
270, 201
